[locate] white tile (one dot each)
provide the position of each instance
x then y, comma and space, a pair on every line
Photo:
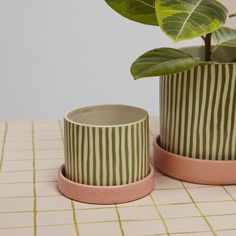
48, 164
54, 218
47, 189
47, 135
194, 234
2, 127
46, 125
16, 204
8, 220
187, 225
53, 203
171, 196
18, 146
17, 165
178, 210
231, 190
163, 182
217, 208
48, 144
17, 232
16, 190
226, 233
18, 155
19, 136
19, 126
49, 154
84, 206
100, 229
16, 177
61, 230
46, 175
225, 222
192, 185
143, 228
146, 201
96, 215
139, 213
209, 194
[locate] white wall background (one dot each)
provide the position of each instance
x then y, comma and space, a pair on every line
60, 54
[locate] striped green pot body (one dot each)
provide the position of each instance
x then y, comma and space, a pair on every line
198, 112
107, 155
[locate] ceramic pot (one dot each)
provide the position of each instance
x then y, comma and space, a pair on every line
198, 112
197, 139
106, 145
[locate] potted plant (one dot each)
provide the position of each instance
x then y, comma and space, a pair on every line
197, 140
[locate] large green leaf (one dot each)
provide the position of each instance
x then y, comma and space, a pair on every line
225, 37
162, 61
142, 11
187, 19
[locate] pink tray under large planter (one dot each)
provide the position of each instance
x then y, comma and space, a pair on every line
193, 170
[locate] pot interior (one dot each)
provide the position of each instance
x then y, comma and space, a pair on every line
106, 115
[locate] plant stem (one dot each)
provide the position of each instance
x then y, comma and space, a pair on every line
232, 15
208, 47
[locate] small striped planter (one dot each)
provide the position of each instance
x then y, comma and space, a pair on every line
106, 155
106, 145
198, 114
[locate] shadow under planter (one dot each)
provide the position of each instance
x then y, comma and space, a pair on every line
106, 155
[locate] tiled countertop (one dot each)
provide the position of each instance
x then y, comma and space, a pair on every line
30, 205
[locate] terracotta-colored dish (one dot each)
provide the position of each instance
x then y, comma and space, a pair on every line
105, 194
193, 170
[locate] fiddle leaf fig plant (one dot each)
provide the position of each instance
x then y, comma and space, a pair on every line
179, 20
140, 11
161, 62
225, 37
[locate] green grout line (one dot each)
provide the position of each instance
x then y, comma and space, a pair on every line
168, 204
3, 146
30, 140
138, 220
27, 170
74, 218
37, 159
29, 182
34, 180
72, 203
98, 222
188, 233
61, 132
199, 210
36, 149
229, 193
119, 219
161, 216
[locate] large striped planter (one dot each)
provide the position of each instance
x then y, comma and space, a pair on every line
198, 112
198, 116
106, 145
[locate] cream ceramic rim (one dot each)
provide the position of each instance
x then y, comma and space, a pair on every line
105, 194
193, 170
145, 115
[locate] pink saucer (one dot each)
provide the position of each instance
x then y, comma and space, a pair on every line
105, 194
193, 170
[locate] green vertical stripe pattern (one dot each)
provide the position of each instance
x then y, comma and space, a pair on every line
198, 112
106, 156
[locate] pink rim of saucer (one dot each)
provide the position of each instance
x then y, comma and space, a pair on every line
193, 170
105, 194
